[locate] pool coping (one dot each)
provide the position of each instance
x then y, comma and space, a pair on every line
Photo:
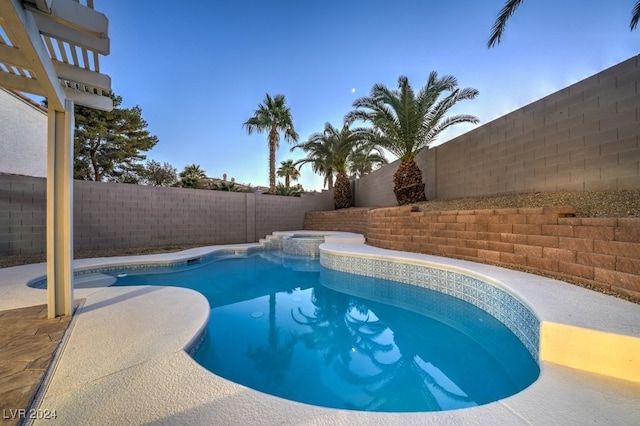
114, 368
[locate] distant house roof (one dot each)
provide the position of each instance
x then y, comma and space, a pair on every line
212, 183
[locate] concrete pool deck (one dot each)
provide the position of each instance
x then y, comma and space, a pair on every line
122, 360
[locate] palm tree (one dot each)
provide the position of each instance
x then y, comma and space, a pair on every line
272, 116
288, 171
289, 191
225, 186
510, 7
365, 158
344, 139
191, 176
337, 146
320, 155
405, 122
338, 334
273, 359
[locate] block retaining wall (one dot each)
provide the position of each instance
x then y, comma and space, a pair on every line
600, 252
348, 220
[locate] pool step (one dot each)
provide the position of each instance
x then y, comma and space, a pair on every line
271, 242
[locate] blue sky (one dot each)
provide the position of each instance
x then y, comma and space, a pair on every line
199, 69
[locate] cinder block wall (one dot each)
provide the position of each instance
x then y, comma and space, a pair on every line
376, 189
22, 215
275, 213
583, 137
108, 215
601, 252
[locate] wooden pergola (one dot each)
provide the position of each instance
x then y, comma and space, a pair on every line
51, 48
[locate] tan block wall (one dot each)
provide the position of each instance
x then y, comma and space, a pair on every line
601, 252
22, 215
349, 220
109, 215
582, 138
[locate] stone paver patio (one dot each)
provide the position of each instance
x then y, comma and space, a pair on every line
28, 340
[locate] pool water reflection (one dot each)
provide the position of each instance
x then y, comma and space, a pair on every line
321, 337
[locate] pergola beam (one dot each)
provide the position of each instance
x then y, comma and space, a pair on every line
82, 76
91, 40
21, 83
42, 5
27, 36
73, 14
90, 100
13, 56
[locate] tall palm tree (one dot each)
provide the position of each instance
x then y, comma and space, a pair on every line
338, 144
344, 141
272, 116
320, 155
405, 122
273, 359
192, 175
510, 7
288, 171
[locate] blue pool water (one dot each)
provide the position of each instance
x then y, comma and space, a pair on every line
291, 328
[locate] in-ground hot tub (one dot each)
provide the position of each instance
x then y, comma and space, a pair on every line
303, 244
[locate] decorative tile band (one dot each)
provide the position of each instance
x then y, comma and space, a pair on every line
302, 246
491, 299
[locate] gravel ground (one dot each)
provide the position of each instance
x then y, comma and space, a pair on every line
586, 203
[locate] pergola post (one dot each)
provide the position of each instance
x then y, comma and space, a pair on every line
30, 63
60, 211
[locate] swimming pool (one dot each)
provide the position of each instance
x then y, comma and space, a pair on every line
286, 326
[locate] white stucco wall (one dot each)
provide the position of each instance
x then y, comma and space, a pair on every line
23, 136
